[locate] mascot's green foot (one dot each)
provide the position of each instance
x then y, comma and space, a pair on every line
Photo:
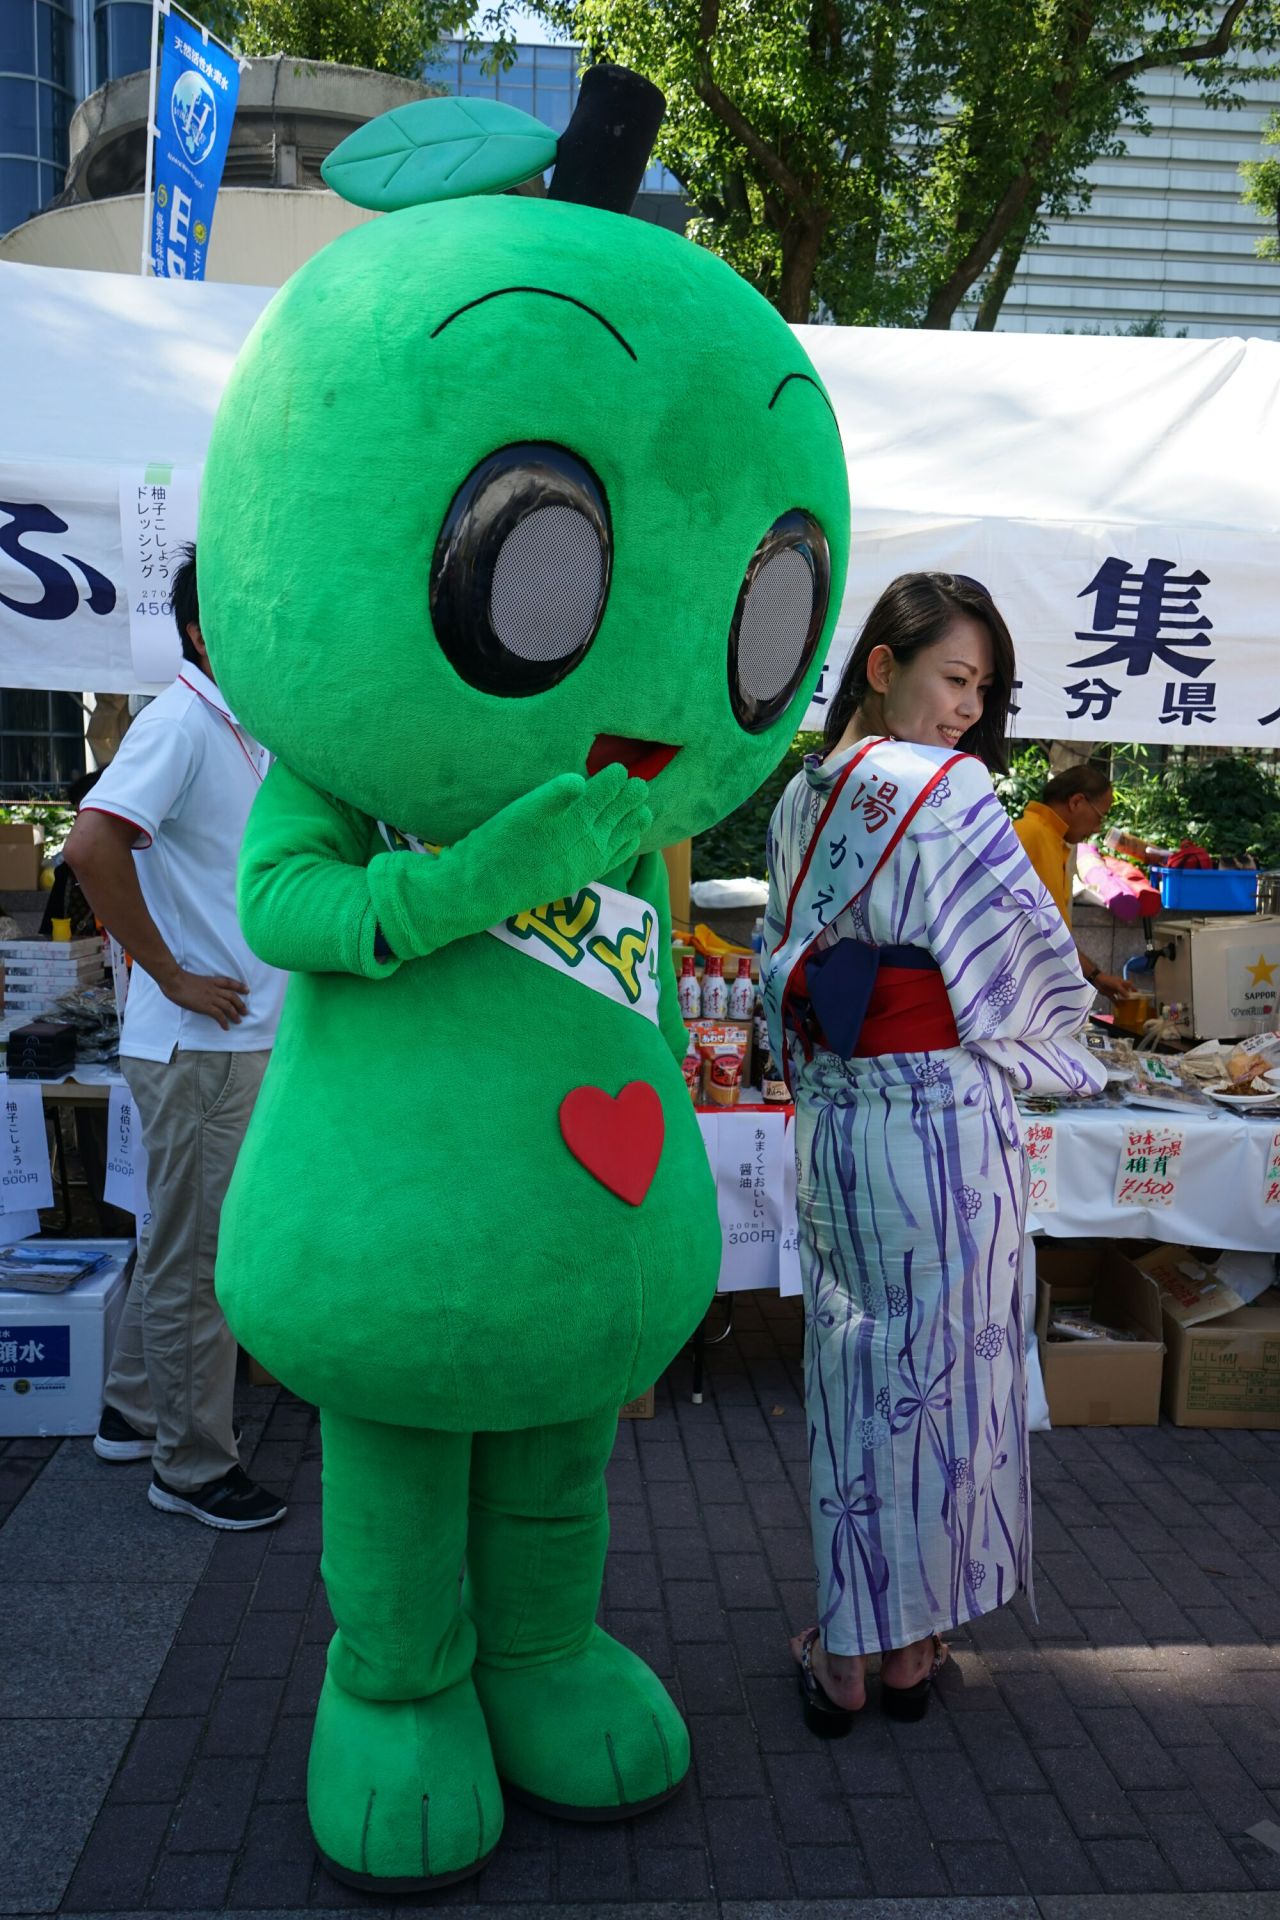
593, 1736
402, 1794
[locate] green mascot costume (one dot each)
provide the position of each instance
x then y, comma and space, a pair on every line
523, 527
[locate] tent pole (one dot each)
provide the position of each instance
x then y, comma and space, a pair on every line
157, 8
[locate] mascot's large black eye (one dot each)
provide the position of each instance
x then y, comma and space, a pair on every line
778, 619
520, 574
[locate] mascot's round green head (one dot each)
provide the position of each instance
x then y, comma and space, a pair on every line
507, 487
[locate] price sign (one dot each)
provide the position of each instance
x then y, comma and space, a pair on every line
1040, 1144
157, 517
25, 1180
789, 1280
126, 1182
1271, 1178
1150, 1162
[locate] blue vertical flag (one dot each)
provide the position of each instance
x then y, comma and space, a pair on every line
195, 105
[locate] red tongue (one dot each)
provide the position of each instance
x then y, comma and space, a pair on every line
643, 759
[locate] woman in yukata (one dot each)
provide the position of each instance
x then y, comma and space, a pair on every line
917, 976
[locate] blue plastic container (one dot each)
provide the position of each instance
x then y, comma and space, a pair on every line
1206, 889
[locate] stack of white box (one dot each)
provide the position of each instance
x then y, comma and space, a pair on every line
39, 972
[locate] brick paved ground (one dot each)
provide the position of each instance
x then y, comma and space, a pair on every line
157, 1684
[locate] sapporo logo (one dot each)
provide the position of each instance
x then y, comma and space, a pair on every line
195, 115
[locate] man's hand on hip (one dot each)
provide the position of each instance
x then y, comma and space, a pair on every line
211, 994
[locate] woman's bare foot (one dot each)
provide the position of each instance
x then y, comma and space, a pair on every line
906, 1666
842, 1676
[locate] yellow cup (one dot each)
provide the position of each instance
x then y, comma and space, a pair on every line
60, 929
1133, 1014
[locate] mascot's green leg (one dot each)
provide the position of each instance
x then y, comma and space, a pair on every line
401, 1787
579, 1724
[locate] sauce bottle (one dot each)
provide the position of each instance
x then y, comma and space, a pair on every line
688, 990
715, 995
742, 994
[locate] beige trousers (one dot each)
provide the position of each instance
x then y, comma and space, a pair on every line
173, 1370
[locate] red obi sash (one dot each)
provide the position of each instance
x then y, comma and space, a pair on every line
908, 1012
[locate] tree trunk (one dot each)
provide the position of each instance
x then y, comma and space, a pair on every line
1008, 216
1002, 279
1023, 193
801, 246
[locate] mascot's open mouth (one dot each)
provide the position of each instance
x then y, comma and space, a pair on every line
643, 759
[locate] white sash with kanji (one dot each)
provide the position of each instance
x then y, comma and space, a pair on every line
599, 937
870, 806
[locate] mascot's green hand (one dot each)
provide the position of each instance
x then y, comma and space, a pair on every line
543, 846
568, 832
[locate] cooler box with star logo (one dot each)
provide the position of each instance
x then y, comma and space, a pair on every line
55, 1348
1224, 974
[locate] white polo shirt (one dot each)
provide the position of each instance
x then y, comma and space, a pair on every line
185, 777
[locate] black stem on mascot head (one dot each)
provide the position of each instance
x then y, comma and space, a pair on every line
602, 154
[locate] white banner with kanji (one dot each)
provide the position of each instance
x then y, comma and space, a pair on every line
1136, 633
1117, 497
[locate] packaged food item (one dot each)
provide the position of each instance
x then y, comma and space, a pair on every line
724, 1079
1073, 1323
715, 995
690, 993
1250, 1062
742, 993
722, 1048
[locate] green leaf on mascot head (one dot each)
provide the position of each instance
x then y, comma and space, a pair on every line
438, 150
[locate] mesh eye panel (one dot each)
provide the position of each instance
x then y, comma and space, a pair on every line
544, 599
774, 625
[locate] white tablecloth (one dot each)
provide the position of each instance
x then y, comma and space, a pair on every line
1217, 1201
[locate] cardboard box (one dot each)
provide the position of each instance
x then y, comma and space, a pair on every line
641, 1409
21, 847
1100, 1383
55, 1348
1223, 1363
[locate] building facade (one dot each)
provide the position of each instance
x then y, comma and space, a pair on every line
52, 54
1166, 241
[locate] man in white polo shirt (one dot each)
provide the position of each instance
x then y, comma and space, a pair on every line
155, 850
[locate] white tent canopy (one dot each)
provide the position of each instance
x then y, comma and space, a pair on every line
1118, 497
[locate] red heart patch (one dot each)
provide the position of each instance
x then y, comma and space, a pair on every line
619, 1142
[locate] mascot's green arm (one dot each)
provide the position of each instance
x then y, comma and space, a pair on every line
315, 889
304, 888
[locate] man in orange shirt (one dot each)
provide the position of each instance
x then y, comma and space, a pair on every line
1073, 808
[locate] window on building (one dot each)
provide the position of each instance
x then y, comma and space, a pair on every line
20, 191
41, 742
122, 33
36, 103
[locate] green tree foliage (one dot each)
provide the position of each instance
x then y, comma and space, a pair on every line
1262, 189
884, 162
392, 36
735, 849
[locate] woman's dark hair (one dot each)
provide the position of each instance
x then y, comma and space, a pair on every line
911, 615
186, 602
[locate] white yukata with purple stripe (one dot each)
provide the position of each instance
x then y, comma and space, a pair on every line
912, 1204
